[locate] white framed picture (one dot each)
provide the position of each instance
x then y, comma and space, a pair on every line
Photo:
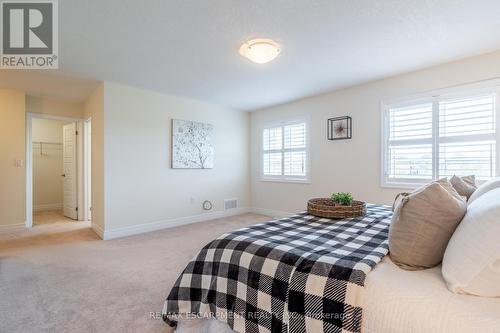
192, 145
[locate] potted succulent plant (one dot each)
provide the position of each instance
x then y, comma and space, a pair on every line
342, 198
340, 205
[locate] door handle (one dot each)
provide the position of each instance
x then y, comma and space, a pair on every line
63, 175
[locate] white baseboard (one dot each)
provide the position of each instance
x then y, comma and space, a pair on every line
164, 224
39, 208
12, 227
271, 212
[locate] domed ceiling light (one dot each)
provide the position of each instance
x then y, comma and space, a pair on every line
260, 50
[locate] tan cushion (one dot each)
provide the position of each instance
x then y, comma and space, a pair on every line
423, 223
465, 186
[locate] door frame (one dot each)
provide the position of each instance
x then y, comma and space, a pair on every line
80, 163
87, 168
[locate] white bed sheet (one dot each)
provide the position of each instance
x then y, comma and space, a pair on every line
399, 301
402, 301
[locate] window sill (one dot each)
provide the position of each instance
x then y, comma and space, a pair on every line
402, 186
285, 180
414, 186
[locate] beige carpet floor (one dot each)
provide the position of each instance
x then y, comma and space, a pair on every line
62, 278
50, 217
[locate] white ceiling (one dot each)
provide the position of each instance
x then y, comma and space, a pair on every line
190, 47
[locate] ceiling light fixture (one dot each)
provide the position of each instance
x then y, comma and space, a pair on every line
260, 50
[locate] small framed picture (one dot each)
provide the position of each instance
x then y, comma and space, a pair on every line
340, 128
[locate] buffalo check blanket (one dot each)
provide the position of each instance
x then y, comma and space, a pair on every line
297, 274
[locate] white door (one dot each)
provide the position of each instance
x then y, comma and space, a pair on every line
69, 167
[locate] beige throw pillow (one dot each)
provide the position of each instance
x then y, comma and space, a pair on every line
465, 186
423, 223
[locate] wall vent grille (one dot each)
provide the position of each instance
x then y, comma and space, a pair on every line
230, 204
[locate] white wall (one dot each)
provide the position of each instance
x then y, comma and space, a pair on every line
53, 107
13, 107
12, 148
47, 164
140, 186
352, 165
47, 130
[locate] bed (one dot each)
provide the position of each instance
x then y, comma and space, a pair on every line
399, 301
389, 298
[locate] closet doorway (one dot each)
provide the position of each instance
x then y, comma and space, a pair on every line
56, 188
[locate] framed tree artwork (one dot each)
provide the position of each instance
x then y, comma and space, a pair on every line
192, 145
339, 128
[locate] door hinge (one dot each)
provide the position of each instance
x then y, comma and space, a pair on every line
76, 208
76, 132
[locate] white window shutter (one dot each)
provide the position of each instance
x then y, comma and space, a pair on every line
284, 152
441, 138
467, 139
410, 143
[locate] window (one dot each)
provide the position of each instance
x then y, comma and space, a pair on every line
285, 152
440, 137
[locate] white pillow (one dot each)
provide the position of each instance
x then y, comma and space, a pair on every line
471, 263
486, 187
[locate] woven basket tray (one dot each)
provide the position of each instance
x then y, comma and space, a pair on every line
325, 207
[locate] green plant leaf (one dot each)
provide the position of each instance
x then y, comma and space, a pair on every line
342, 198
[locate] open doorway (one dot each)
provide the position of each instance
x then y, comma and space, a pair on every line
57, 171
54, 171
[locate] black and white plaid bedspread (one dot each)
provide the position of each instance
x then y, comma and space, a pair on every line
297, 274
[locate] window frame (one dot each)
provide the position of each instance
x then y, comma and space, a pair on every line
283, 178
434, 97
